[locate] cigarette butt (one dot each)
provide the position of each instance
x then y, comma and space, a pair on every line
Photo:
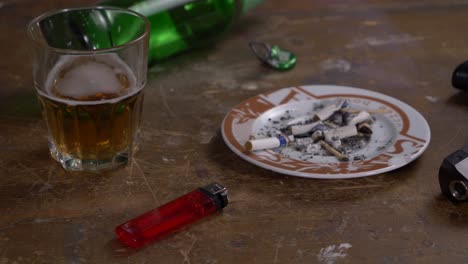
317, 135
364, 128
302, 129
340, 133
359, 118
337, 118
268, 143
330, 124
300, 120
328, 110
340, 156
248, 145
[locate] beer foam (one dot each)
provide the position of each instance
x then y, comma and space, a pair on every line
98, 75
88, 79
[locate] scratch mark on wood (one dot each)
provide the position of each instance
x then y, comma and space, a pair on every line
341, 228
32, 221
387, 40
186, 253
169, 133
165, 104
277, 247
146, 181
46, 186
29, 169
454, 137
148, 163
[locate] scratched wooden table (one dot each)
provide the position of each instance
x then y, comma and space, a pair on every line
406, 49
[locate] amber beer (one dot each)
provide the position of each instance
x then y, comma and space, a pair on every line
92, 109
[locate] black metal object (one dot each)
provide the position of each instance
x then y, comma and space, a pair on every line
453, 177
218, 193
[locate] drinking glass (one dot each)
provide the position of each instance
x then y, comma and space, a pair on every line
89, 72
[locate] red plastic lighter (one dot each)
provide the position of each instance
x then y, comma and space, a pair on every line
173, 215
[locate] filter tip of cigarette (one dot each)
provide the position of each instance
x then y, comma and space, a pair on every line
340, 156
248, 145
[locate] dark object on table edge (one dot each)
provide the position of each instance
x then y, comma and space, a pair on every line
460, 76
453, 179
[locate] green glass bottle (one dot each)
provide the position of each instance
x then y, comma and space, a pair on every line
179, 25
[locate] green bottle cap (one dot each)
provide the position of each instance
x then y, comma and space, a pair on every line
249, 4
274, 56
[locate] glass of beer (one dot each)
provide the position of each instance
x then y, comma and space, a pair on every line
89, 72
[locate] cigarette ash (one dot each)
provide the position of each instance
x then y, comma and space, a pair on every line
279, 125
330, 123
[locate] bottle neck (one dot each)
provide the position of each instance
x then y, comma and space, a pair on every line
247, 5
151, 7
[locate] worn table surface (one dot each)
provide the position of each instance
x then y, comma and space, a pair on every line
405, 49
